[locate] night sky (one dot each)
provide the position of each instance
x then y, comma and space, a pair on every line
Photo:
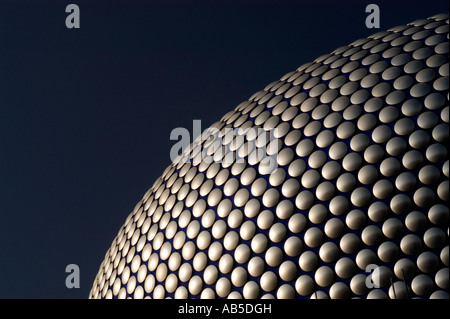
86, 114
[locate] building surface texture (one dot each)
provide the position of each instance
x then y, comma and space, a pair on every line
332, 182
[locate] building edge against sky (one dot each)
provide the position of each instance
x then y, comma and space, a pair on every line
355, 207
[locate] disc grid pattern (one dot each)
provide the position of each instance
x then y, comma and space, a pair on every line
362, 178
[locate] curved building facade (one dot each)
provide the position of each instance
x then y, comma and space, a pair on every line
332, 182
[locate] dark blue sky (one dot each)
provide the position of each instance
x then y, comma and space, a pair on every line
86, 114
